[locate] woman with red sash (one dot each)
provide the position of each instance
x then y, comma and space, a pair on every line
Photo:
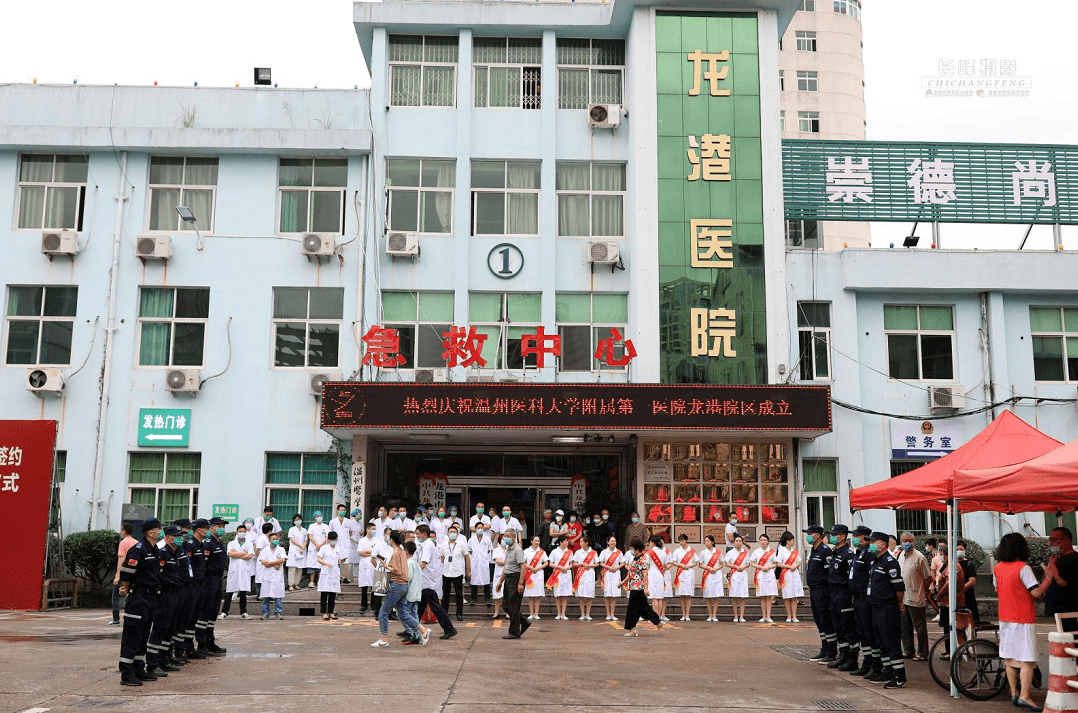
737, 560
638, 581
534, 562
710, 561
585, 560
789, 562
762, 560
683, 566
611, 562
561, 580
657, 559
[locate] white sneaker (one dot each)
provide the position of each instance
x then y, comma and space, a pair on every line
763, 620
796, 621
587, 618
244, 616
379, 644
583, 618
663, 618
222, 615
742, 620
770, 620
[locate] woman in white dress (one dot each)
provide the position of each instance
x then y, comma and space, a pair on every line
329, 580
535, 561
586, 560
561, 579
710, 562
497, 556
657, 557
683, 569
789, 562
611, 560
762, 561
297, 552
737, 561
316, 538
365, 567
479, 545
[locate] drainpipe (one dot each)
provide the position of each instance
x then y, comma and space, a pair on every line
110, 327
989, 386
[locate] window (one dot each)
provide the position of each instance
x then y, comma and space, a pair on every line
805, 41
782, 125
422, 70
172, 325
167, 483
918, 522
505, 197
59, 468
920, 342
589, 72
814, 340
301, 483
821, 492
39, 325
808, 82
808, 122
803, 234
307, 326
508, 72
505, 318
52, 191
1055, 343
420, 318
176, 181
312, 194
583, 321
782, 80
808, 5
591, 199
421, 194
848, 7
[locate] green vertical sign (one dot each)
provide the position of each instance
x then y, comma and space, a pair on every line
713, 326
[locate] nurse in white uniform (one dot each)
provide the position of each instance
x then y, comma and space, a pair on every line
586, 560
316, 538
683, 568
535, 560
789, 561
329, 579
297, 552
497, 556
561, 580
737, 562
365, 567
480, 546
657, 557
241, 559
762, 562
710, 562
343, 527
611, 561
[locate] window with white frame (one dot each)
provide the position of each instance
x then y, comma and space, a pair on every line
805, 41
848, 7
808, 122
52, 191
505, 197
421, 194
1055, 343
176, 181
808, 5
422, 70
814, 340
803, 234
505, 318
808, 81
508, 72
920, 342
172, 325
301, 483
591, 199
307, 326
584, 320
420, 319
821, 491
312, 194
590, 72
782, 121
40, 323
167, 483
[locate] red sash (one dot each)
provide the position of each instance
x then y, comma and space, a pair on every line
685, 560
613, 558
761, 563
714, 558
580, 570
554, 578
534, 563
657, 560
788, 562
740, 560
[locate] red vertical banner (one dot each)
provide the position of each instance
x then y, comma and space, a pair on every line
26, 456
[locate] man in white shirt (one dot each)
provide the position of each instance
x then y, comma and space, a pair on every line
404, 522
380, 523
506, 522
478, 517
731, 532
456, 565
454, 518
429, 558
267, 516
343, 526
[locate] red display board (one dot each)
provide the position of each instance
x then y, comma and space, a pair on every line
26, 456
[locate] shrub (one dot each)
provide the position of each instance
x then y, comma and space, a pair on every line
92, 555
1038, 554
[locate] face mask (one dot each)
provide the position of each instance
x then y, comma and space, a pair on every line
558, 518
962, 553
220, 531
441, 514
808, 539
177, 540
856, 541
833, 539
275, 542
873, 548
248, 524
382, 514
318, 519
596, 521
241, 537
479, 511
636, 520
340, 514
297, 523
452, 513
572, 519
606, 517
452, 535
507, 541
907, 546
733, 521
505, 514
1054, 549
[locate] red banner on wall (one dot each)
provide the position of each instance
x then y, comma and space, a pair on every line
26, 456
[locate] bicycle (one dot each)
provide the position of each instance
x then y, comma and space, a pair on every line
976, 668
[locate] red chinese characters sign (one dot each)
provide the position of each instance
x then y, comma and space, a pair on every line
618, 407
26, 455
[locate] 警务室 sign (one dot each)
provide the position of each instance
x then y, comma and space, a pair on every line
164, 427
924, 439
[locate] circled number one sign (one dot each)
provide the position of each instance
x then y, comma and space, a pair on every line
505, 261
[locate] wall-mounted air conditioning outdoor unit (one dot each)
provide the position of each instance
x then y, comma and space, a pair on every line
605, 116
604, 253
318, 244
432, 376
183, 381
945, 398
318, 380
399, 244
44, 382
153, 247
59, 242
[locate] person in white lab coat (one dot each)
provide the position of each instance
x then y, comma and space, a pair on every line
479, 516
241, 560
262, 541
267, 516
561, 579
365, 567
439, 524
380, 522
763, 562
585, 562
480, 546
271, 559
710, 562
683, 569
342, 525
297, 552
789, 563
535, 561
657, 557
316, 538
611, 561
329, 580
497, 558
505, 522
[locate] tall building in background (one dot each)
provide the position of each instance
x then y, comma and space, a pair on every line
822, 75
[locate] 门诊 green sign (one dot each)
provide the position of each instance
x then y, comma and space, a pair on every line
228, 512
164, 427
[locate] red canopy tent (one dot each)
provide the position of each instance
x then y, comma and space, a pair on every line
1048, 483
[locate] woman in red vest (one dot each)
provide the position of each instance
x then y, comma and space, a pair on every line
1018, 590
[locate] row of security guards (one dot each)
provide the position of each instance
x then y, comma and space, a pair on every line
856, 592
172, 581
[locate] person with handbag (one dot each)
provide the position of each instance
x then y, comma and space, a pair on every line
380, 576
396, 594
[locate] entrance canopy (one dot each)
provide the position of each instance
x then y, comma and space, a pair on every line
1048, 483
1006, 441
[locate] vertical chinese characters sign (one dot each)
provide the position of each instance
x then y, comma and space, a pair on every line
711, 262
26, 456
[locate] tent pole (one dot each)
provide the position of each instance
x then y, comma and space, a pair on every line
952, 594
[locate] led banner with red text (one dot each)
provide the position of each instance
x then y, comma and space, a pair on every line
620, 407
26, 455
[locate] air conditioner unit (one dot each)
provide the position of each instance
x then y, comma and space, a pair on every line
604, 253
514, 380
477, 378
945, 397
431, 376
183, 381
607, 116
154, 247
402, 244
44, 382
317, 381
59, 242
318, 244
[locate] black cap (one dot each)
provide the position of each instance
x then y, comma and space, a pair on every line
173, 530
862, 530
839, 530
183, 522
201, 522
150, 523
218, 521
882, 536
813, 529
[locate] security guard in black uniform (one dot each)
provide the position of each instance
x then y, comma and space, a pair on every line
195, 624
216, 564
838, 579
885, 594
165, 613
860, 570
183, 593
140, 578
819, 561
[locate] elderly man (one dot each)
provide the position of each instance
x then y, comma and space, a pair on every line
513, 582
916, 576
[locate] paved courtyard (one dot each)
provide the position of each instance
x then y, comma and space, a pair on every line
67, 661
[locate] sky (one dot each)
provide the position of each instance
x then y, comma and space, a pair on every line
219, 42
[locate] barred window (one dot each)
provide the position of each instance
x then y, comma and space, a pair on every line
422, 70
508, 72
590, 72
